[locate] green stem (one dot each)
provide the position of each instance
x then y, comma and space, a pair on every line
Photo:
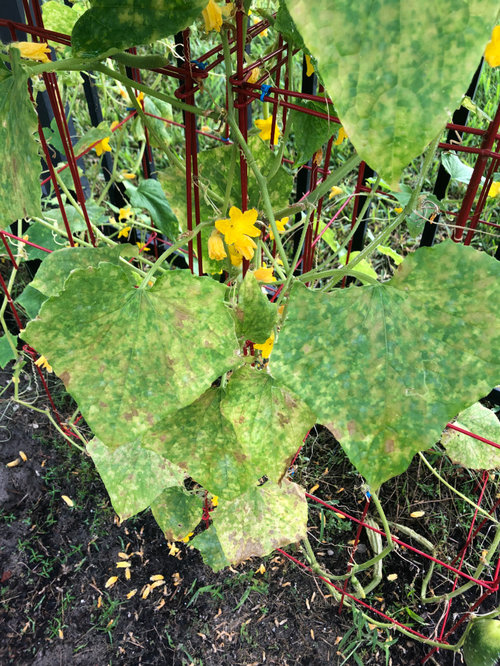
387, 231
457, 492
52, 420
245, 149
230, 178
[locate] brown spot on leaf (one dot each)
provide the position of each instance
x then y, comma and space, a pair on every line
351, 427
128, 416
389, 445
334, 430
283, 419
103, 405
65, 377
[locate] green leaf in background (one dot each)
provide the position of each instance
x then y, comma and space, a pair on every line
470, 452
6, 353
378, 364
211, 551
177, 512
133, 476
270, 422
364, 267
39, 234
391, 70
389, 252
20, 164
457, 169
120, 24
268, 517
311, 132
161, 129
255, 315
50, 277
59, 17
202, 442
31, 301
150, 195
101, 333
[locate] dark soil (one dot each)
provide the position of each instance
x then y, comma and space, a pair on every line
55, 560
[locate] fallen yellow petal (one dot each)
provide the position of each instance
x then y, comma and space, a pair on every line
392, 577
261, 569
23, 456
60, 634
315, 487
123, 565
111, 581
157, 584
124, 556
146, 591
127, 574
417, 514
13, 463
131, 593
68, 500
99, 602
157, 577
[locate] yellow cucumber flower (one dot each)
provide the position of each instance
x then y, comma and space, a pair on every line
212, 15
124, 213
235, 256
265, 274
43, 363
124, 231
265, 126
341, 136
334, 192
254, 75
216, 246
494, 190
309, 65
102, 147
281, 227
492, 52
238, 229
266, 347
33, 51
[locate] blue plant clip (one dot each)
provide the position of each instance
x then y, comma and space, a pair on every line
200, 65
226, 139
265, 91
368, 494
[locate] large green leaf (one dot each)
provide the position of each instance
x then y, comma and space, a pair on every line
391, 68
19, 159
50, 277
131, 356
270, 421
466, 450
177, 512
123, 23
255, 315
203, 443
133, 477
385, 367
253, 525
150, 195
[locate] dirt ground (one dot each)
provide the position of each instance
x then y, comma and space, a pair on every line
55, 560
